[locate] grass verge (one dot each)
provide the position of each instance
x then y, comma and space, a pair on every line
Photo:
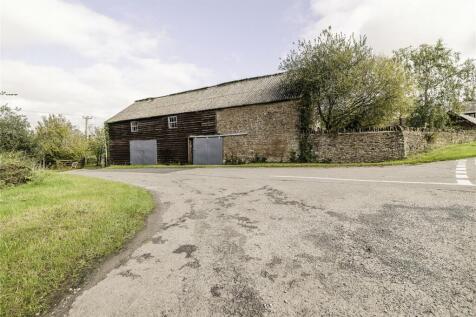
55, 230
447, 153
450, 152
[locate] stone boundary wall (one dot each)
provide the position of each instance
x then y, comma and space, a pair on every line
359, 147
417, 141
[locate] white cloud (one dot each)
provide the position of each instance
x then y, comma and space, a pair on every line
392, 24
119, 63
56, 22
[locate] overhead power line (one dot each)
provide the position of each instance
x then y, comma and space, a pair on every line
63, 113
4, 93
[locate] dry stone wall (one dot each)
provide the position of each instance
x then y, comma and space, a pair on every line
417, 141
359, 147
383, 145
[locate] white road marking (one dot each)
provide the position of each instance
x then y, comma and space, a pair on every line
465, 182
461, 175
459, 183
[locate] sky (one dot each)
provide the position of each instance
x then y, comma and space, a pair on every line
95, 57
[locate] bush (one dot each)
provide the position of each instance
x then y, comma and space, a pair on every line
430, 137
259, 159
233, 160
15, 169
293, 157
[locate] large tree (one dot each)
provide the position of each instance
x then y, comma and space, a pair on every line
441, 80
58, 140
345, 84
15, 133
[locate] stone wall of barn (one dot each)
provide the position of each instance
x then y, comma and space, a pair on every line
271, 132
378, 146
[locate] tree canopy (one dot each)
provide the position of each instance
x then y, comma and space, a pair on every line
346, 84
97, 144
58, 139
441, 81
54, 138
15, 133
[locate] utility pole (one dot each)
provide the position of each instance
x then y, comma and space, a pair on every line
86, 119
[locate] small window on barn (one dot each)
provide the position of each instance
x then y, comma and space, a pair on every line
172, 122
134, 126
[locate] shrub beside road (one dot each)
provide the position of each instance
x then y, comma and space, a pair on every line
55, 229
15, 169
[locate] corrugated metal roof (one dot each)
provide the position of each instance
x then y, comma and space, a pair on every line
248, 91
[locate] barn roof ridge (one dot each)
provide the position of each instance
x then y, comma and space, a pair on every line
241, 92
211, 86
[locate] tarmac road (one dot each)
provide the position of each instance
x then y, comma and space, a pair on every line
296, 242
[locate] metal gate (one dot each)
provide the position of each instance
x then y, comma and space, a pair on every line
208, 150
143, 152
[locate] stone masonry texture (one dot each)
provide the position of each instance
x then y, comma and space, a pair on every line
383, 145
419, 141
359, 147
272, 131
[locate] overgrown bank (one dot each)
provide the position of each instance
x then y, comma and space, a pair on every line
55, 229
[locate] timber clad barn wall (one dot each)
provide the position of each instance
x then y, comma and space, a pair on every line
172, 144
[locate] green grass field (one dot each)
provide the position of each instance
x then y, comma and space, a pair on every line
450, 152
55, 230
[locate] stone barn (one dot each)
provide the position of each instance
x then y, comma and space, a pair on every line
239, 121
